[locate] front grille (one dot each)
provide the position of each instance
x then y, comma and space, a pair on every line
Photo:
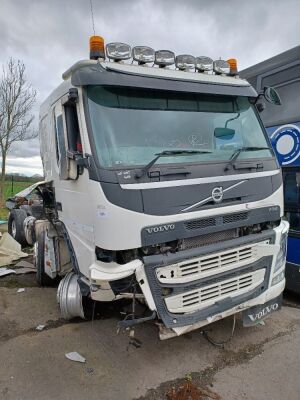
214, 221
205, 296
209, 238
212, 264
227, 219
200, 223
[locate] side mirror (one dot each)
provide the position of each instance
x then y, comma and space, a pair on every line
272, 96
224, 133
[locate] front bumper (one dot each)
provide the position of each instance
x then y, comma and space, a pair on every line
185, 302
268, 295
194, 287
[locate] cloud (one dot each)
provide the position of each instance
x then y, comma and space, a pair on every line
25, 166
49, 36
26, 149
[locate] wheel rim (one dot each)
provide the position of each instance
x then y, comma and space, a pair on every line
69, 297
13, 228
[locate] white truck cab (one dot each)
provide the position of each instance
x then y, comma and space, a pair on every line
161, 186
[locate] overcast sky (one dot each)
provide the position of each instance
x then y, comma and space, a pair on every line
50, 35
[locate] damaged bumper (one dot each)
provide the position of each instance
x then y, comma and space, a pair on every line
195, 287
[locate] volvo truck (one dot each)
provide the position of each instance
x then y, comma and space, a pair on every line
161, 187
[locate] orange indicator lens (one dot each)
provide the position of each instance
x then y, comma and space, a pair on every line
96, 47
233, 66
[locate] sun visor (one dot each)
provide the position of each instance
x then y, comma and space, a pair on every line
97, 75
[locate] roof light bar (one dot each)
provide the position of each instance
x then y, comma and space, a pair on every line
164, 58
143, 54
221, 67
185, 62
118, 51
204, 64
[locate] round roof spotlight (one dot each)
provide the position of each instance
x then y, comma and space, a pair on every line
185, 62
143, 54
118, 51
163, 58
204, 64
221, 67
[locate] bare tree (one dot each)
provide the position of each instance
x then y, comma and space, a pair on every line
17, 98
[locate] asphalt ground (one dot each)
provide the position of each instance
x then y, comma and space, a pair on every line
258, 363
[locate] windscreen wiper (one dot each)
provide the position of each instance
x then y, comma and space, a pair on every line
167, 153
237, 152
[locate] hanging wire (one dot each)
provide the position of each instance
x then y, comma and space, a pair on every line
220, 344
92, 15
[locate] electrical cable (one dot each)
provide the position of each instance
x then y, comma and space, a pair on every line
220, 344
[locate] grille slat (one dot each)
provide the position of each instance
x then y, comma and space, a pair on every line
207, 295
213, 221
207, 265
200, 223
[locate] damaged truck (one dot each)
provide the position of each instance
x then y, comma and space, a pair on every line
161, 187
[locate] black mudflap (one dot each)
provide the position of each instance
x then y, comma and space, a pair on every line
252, 316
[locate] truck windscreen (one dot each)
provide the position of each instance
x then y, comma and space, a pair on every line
131, 125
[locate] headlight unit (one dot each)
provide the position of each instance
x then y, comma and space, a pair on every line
164, 58
185, 62
278, 278
221, 67
143, 54
118, 51
204, 64
281, 256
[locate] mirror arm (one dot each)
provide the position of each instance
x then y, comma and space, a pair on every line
258, 97
78, 157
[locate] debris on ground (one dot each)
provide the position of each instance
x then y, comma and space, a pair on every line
74, 356
90, 371
10, 250
261, 323
135, 343
21, 290
22, 267
189, 391
40, 328
22, 271
6, 271
25, 264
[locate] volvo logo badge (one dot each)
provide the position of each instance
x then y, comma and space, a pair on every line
161, 228
217, 194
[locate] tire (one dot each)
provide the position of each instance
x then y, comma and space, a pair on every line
41, 277
15, 225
